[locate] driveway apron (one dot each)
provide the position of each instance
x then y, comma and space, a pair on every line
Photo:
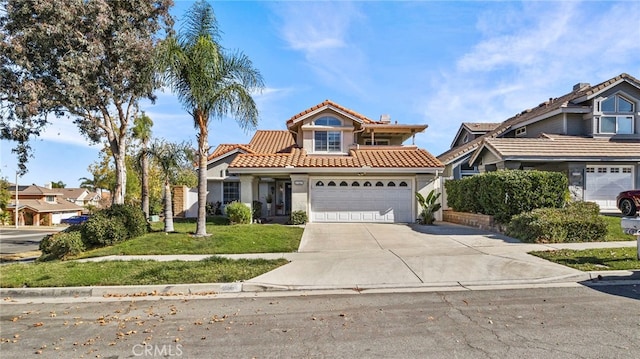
351, 255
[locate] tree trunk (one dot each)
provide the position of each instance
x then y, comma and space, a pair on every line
168, 210
119, 152
203, 152
144, 163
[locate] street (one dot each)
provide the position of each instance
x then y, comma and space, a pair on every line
22, 240
572, 322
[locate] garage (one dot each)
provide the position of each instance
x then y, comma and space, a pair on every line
362, 200
604, 182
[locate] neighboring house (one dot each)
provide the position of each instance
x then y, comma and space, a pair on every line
81, 196
592, 134
333, 163
41, 206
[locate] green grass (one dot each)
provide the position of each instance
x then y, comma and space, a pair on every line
72, 274
594, 259
615, 232
223, 239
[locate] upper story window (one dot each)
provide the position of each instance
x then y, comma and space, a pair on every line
327, 121
617, 116
381, 142
327, 141
616, 104
50, 199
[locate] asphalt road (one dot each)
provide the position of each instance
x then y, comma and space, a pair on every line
577, 322
22, 240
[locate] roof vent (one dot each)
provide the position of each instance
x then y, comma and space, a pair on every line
580, 86
385, 118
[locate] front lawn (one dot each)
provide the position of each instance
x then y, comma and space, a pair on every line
594, 259
614, 230
223, 239
76, 274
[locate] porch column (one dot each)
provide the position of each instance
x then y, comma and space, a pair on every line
300, 192
246, 189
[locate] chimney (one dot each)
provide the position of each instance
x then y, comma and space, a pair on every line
48, 185
385, 118
580, 86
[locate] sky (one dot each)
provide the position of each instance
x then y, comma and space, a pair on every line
438, 63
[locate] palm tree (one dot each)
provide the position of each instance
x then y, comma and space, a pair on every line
171, 158
210, 84
141, 130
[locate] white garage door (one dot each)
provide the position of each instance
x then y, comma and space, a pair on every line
603, 183
361, 200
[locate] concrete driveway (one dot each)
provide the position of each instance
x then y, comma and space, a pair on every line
377, 255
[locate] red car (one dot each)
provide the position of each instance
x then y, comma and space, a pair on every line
629, 202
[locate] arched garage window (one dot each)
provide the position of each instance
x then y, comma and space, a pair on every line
367, 184
319, 184
331, 184
379, 184
403, 184
391, 184
355, 184
344, 184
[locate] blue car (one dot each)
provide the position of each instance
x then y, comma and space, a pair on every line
75, 220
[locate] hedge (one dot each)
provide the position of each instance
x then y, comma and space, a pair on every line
578, 222
503, 194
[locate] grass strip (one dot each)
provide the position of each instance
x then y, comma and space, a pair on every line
249, 238
137, 272
593, 259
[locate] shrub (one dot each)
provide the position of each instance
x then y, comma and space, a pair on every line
257, 209
102, 230
298, 217
238, 213
114, 224
429, 206
62, 244
578, 222
503, 194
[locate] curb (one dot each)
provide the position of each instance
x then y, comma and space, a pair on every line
598, 278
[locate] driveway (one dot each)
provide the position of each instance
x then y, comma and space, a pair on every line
367, 254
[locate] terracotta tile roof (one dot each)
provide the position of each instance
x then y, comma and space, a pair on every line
526, 115
406, 157
272, 141
327, 104
554, 146
263, 142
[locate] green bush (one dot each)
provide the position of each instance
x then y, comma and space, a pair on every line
238, 213
102, 230
132, 217
298, 217
578, 222
503, 194
61, 245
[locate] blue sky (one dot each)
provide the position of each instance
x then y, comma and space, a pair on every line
422, 62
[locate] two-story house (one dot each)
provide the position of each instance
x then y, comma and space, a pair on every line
41, 205
331, 162
592, 134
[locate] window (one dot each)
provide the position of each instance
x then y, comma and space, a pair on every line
355, 184
465, 139
50, 199
331, 184
522, 131
327, 121
379, 184
614, 170
616, 103
230, 192
403, 184
328, 141
319, 184
602, 170
626, 170
382, 142
344, 184
590, 170
391, 184
616, 124
367, 184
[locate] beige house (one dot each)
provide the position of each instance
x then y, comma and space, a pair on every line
592, 134
332, 163
41, 206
